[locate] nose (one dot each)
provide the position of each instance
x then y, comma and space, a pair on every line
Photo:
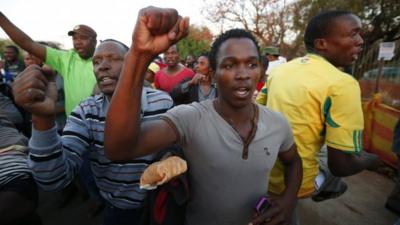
359, 40
242, 72
104, 65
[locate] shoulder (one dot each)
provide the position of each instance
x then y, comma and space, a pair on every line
160, 72
270, 117
195, 109
153, 99
343, 82
90, 102
58, 52
187, 70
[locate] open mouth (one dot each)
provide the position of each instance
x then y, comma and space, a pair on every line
242, 92
106, 81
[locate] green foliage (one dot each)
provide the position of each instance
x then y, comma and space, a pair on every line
198, 41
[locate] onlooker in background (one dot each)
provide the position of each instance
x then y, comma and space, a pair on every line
159, 61
150, 72
12, 64
274, 58
169, 77
56, 161
323, 105
190, 61
75, 66
199, 88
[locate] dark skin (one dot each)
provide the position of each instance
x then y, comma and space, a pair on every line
84, 46
35, 90
203, 75
10, 55
237, 73
341, 47
171, 58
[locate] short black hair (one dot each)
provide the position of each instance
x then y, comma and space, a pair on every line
13, 47
320, 26
118, 42
233, 33
205, 54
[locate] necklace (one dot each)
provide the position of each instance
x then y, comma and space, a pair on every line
246, 140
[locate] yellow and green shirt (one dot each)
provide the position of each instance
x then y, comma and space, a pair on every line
322, 104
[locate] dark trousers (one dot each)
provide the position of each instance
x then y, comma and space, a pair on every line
116, 216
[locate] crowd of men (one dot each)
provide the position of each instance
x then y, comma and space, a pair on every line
124, 106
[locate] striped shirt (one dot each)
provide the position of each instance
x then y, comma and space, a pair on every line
55, 161
13, 165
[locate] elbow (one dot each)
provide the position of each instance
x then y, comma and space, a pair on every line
119, 151
114, 153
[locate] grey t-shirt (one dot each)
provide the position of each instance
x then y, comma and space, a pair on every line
224, 186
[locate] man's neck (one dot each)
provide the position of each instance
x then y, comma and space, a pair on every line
234, 114
173, 69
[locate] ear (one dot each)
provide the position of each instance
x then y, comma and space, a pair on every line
320, 44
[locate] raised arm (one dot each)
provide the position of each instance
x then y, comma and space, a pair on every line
22, 39
125, 138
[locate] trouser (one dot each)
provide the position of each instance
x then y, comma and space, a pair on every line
329, 182
116, 216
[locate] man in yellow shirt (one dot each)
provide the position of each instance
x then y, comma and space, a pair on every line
322, 103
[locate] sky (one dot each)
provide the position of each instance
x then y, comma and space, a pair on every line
50, 20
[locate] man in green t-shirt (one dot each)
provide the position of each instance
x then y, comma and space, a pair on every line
75, 66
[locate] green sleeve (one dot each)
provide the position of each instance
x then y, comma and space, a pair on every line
56, 59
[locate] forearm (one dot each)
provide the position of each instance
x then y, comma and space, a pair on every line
343, 164
123, 118
293, 177
19, 37
49, 167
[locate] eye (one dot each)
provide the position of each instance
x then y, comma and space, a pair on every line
227, 66
253, 65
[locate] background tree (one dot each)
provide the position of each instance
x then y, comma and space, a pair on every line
198, 41
282, 22
269, 20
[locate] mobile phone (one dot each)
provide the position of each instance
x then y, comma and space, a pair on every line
262, 205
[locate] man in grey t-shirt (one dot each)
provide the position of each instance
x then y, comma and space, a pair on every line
230, 143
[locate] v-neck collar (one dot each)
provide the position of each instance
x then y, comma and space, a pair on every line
245, 141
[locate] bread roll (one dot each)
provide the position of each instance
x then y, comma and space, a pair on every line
162, 171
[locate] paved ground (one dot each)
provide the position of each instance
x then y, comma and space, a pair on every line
362, 204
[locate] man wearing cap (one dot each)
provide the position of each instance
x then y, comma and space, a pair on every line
75, 65
272, 55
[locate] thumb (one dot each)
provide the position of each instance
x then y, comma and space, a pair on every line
49, 73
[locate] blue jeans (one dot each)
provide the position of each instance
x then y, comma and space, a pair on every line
116, 216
